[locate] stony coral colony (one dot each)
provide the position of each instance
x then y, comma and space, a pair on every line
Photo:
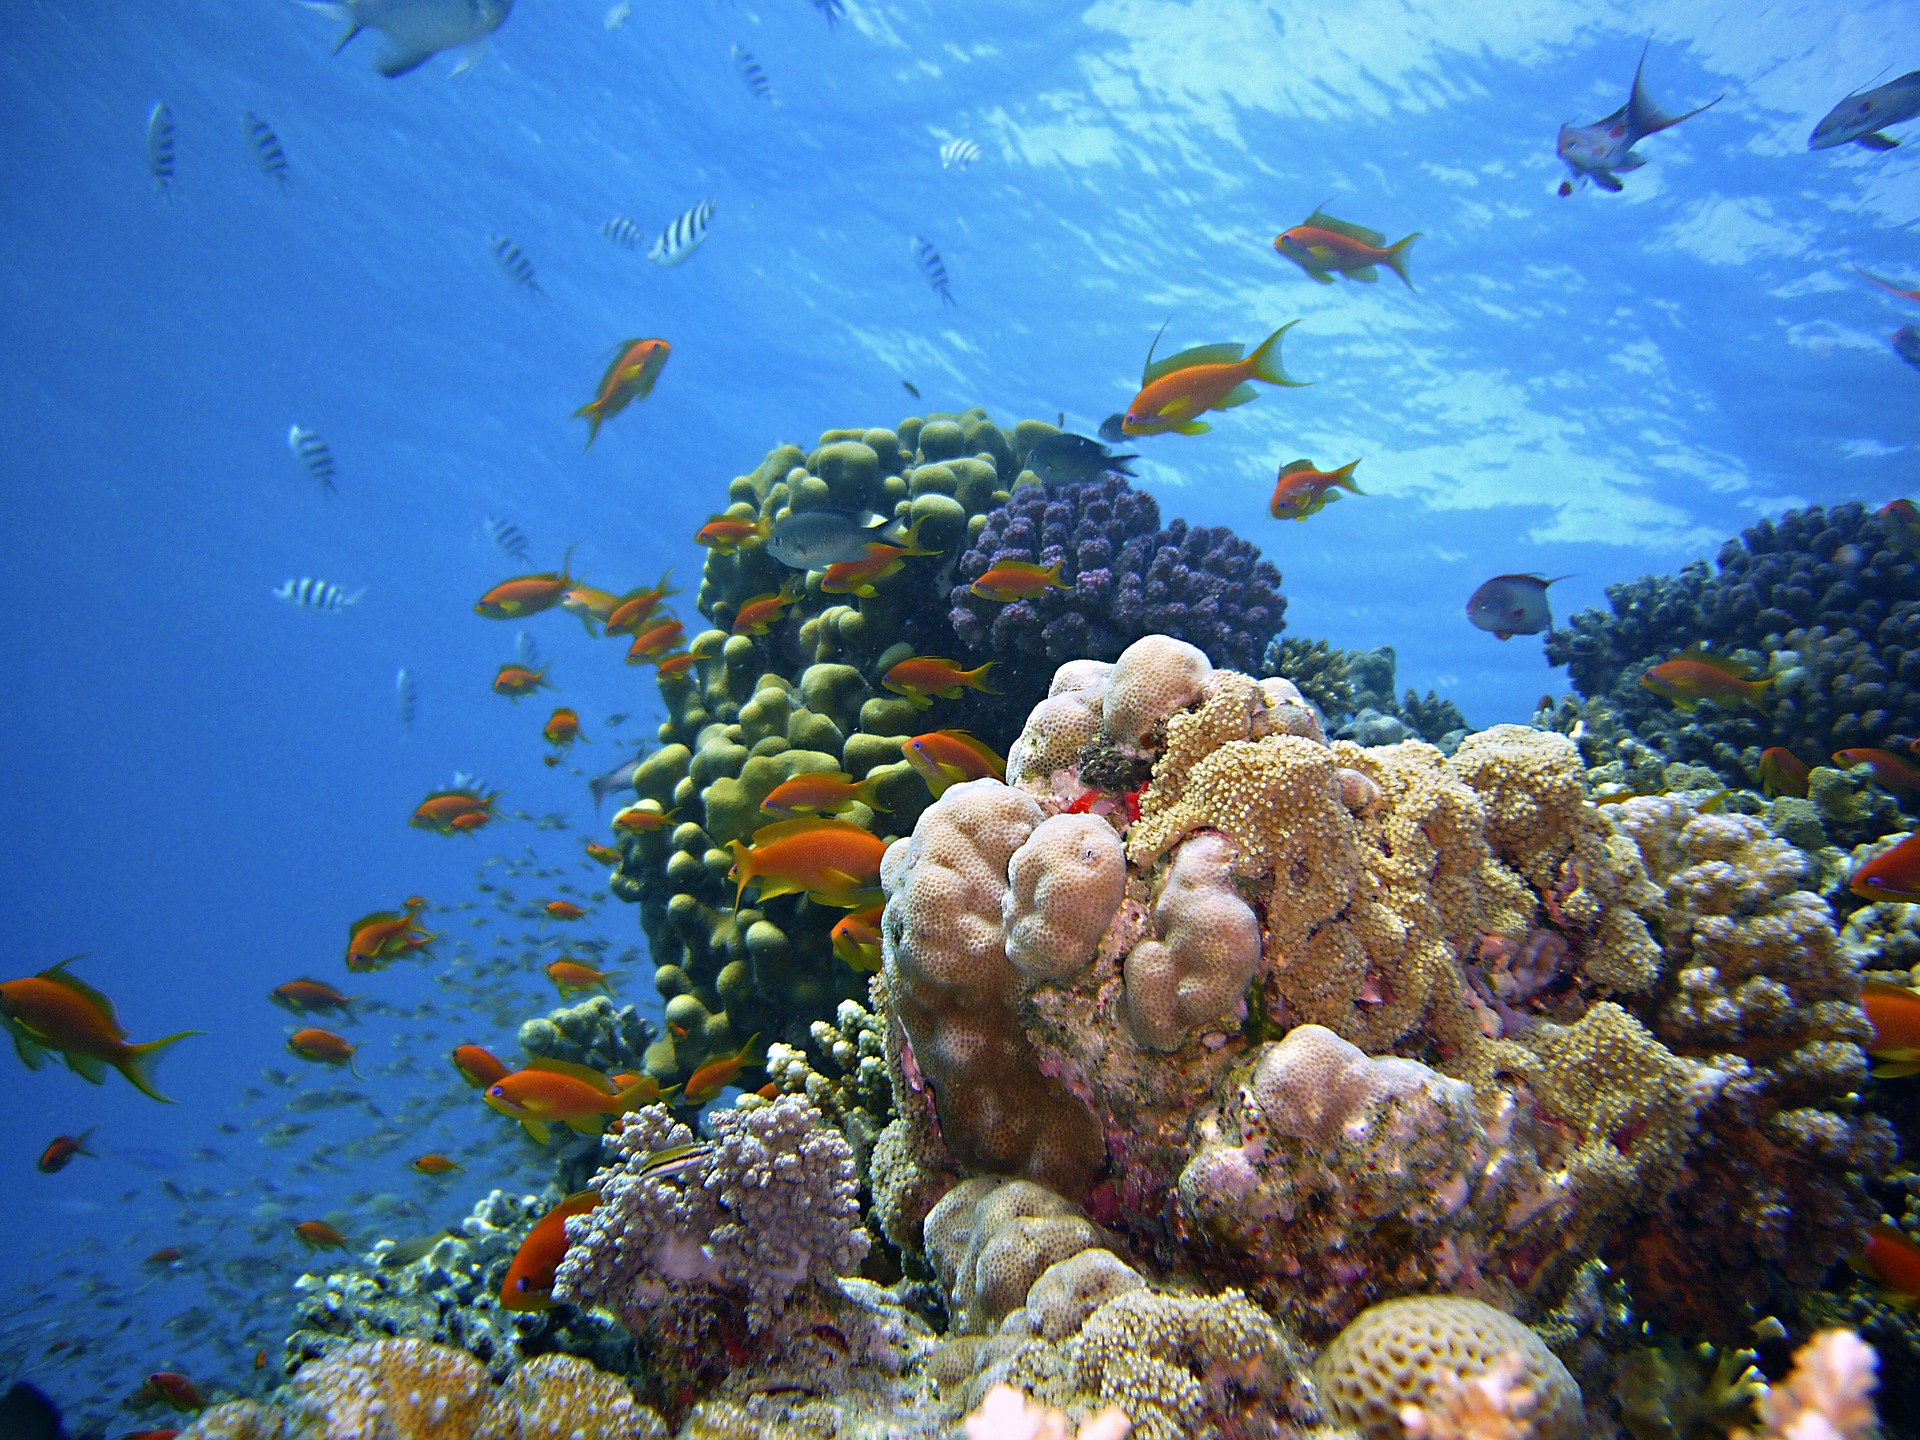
1233, 1062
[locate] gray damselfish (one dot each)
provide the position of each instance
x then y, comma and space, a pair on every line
1067, 459
1511, 605
1603, 151
1858, 119
815, 539
418, 29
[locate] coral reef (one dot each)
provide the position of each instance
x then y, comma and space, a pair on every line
1827, 1397
596, 1033
1353, 691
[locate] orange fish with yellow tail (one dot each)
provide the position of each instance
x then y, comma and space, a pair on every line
831, 861
1696, 675
563, 910
571, 975
822, 792
655, 640
562, 728
323, 1047
308, 997
639, 820
1894, 1012
1891, 1257
710, 1079
923, 678
862, 576
386, 935
1300, 490
728, 534
516, 681
636, 365
757, 615
552, 1092
435, 1164
1012, 580
856, 939
527, 594
528, 1284
480, 1068
951, 757
460, 810
637, 606
58, 1012
590, 605
1177, 391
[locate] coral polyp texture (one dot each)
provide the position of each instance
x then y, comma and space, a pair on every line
1333, 1024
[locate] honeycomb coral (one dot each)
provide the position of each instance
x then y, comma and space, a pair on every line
392, 1390
1398, 1352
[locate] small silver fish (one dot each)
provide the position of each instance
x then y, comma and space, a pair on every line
618, 15
160, 147
310, 594
311, 451
622, 231
514, 264
684, 236
1068, 459
815, 539
1510, 605
267, 151
958, 154
615, 780
1603, 151
403, 698
752, 75
507, 537
418, 29
1859, 119
932, 267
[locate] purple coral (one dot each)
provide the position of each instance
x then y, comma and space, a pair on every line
1128, 578
773, 1210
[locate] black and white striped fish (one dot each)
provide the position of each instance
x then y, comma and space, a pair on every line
404, 698
310, 594
267, 152
509, 539
622, 231
160, 147
958, 154
684, 236
751, 73
933, 267
515, 265
832, 9
312, 452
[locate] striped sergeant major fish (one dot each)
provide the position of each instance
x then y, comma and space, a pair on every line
160, 147
958, 154
513, 264
267, 151
933, 267
752, 75
508, 539
622, 231
311, 451
309, 594
684, 236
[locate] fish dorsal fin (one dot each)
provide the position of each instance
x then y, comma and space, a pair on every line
1146, 371
805, 825
970, 742
584, 1074
1222, 354
1324, 221
58, 975
1294, 467
1724, 664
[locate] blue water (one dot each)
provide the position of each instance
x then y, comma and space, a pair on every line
204, 786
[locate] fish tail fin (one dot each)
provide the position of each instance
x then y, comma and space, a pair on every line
868, 794
979, 678
592, 413
666, 589
80, 1143
743, 869
1396, 258
137, 1062
1646, 118
1343, 477
1264, 363
351, 1067
643, 1091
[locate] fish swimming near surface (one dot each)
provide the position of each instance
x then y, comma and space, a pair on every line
313, 452
1694, 676
630, 376
752, 76
1324, 247
307, 593
1176, 391
160, 148
1300, 490
507, 539
268, 153
815, 539
60, 1152
514, 264
1860, 118
623, 232
932, 267
1510, 605
958, 154
1069, 459
1603, 151
58, 1012
684, 235
418, 30
404, 699
1906, 344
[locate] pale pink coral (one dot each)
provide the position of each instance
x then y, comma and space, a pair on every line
1006, 1414
1827, 1397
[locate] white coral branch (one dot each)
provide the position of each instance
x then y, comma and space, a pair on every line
1829, 1395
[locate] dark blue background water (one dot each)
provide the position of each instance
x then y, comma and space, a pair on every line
204, 786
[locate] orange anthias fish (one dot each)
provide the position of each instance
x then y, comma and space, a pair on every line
638, 605
1902, 520
856, 939
319, 1235
922, 678
1894, 1011
563, 910
55, 1011
1018, 580
1889, 771
823, 792
570, 975
589, 605
529, 1280
169, 1387
323, 1047
479, 1068
639, 820
551, 1092
527, 594
308, 997
862, 577
1177, 391
434, 1164
832, 861
1783, 773
1323, 247
459, 810
1689, 678
757, 615
654, 641
725, 534
1892, 874
516, 681
948, 757
562, 727
165, 1255
1886, 285
604, 854
1893, 1259
386, 935
710, 1079
1302, 490
677, 663
64, 1147
630, 377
